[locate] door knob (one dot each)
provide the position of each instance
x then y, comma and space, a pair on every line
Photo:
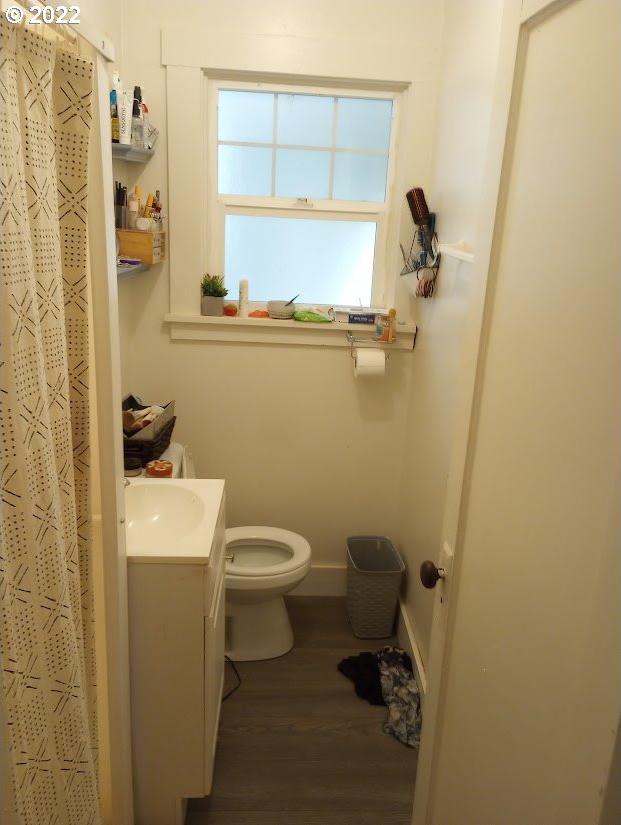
429, 574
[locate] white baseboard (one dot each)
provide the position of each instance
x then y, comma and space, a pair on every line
407, 640
323, 580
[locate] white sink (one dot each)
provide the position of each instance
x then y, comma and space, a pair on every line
171, 519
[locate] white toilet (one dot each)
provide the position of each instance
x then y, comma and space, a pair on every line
262, 564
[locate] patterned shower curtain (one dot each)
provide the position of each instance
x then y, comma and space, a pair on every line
47, 662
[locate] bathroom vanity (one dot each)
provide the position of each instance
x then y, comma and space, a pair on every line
175, 553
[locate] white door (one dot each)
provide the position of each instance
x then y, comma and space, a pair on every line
525, 685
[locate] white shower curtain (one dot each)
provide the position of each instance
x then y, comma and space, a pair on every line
46, 596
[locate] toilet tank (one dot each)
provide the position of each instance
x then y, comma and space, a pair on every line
187, 464
180, 457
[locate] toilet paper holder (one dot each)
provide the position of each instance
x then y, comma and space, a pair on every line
363, 342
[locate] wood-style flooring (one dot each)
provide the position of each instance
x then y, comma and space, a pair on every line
298, 747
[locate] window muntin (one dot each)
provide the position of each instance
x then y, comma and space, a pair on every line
281, 144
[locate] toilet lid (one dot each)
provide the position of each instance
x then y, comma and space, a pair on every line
265, 551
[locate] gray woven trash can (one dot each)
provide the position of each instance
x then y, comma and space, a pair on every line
374, 571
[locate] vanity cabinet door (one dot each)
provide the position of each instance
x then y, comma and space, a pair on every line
166, 634
216, 560
214, 676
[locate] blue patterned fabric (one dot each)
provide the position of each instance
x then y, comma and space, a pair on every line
401, 695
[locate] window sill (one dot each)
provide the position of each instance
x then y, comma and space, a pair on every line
272, 331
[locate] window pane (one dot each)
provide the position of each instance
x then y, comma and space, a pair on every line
360, 177
247, 116
302, 173
327, 262
363, 123
244, 170
305, 120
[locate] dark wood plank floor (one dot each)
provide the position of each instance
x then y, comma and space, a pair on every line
297, 746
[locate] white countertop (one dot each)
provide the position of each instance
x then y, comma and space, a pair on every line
170, 520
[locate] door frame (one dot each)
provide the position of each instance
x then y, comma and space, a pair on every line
114, 687
518, 17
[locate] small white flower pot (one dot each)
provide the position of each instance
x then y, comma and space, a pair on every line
210, 305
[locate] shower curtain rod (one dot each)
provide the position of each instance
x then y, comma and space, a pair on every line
102, 44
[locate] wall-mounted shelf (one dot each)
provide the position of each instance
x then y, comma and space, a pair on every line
461, 250
125, 151
123, 270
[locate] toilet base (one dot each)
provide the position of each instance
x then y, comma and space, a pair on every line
257, 630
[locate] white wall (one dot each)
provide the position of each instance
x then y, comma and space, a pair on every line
104, 17
300, 444
470, 48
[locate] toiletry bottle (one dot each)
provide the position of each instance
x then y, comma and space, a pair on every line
386, 327
133, 208
114, 116
381, 323
115, 101
148, 207
243, 298
157, 211
124, 104
392, 326
146, 126
137, 121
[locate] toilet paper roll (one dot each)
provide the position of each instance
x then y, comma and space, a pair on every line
369, 362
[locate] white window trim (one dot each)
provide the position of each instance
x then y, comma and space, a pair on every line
218, 206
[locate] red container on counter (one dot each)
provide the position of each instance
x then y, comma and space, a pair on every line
159, 469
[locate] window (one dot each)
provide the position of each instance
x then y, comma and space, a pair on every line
299, 187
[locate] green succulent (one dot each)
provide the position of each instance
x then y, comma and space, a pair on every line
213, 285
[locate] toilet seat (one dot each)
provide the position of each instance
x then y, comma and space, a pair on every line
267, 563
295, 547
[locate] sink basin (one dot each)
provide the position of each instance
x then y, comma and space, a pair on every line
171, 519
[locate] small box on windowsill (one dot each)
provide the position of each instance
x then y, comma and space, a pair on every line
361, 318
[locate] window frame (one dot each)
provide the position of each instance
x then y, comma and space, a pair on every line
218, 206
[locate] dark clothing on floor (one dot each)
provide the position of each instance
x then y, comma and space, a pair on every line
363, 670
386, 678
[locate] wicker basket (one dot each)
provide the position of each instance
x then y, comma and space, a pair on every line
149, 450
374, 571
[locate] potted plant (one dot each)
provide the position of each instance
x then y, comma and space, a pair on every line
212, 295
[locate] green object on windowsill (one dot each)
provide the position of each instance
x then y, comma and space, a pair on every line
311, 317
212, 286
